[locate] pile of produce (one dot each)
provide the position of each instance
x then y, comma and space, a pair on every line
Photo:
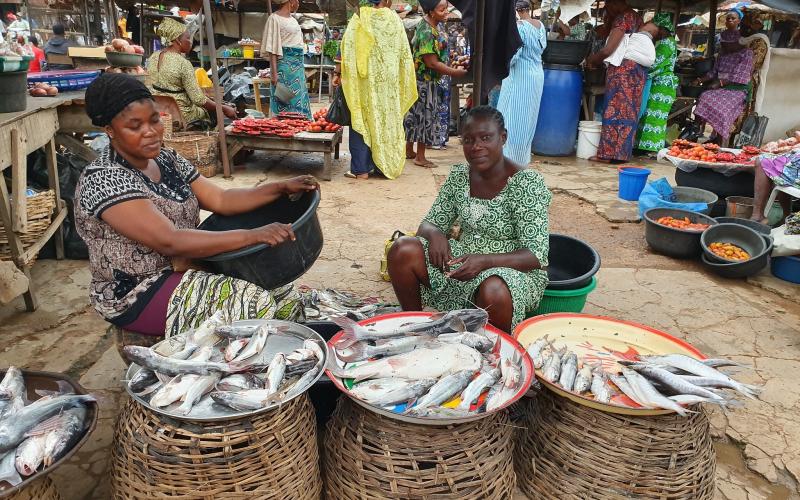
248, 42
783, 145
669, 382
711, 153
224, 362
445, 367
122, 45
684, 224
284, 125
35, 434
728, 251
42, 89
321, 124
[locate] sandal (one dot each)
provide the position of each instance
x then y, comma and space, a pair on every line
351, 175
426, 164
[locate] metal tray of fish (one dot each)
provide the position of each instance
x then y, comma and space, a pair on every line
506, 348
286, 340
36, 381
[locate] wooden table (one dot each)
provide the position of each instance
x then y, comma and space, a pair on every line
303, 142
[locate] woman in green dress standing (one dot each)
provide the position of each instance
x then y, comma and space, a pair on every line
497, 263
653, 124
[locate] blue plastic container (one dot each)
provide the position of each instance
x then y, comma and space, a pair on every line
786, 268
65, 80
631, 182
557, 128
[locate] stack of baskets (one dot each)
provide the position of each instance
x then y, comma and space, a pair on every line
370, 456
40, 213
199, 148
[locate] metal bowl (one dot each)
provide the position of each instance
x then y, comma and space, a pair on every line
743, 237
670, 241
124, 59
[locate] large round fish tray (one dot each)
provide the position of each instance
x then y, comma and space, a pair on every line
599, 340
48, 381
568, 450
40, 489
370, 456
265, 456
507, 347
288, 339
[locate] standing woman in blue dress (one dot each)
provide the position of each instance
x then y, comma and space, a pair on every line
521, 91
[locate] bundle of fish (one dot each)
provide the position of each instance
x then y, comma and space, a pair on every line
439, 368
224, 362
329, 303
669, 382
35, 434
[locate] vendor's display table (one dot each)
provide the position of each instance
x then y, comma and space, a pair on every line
370, 456
268, 456
567, 450
303, 142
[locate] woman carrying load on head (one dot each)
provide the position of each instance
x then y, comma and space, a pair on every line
377, 77
497, 263
663, 87
283, 41
137, 208
172, 74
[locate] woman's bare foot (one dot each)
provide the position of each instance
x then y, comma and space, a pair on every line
410, 154
597, 159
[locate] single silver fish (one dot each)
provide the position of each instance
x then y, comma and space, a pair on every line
300, 354
234, 347
67, 430
583, 380
676, 383
8, 469
173, 390
319, 351
13, 430
201, 386
551, 371
720, 362
203, 335
240, 382
569, 370
255, 345
12, 392
477, 386
302, 383
600, 388
626, 389
30, 454
361, 350
390, 391
443, 390
688, 400
148, 358
535, 351
749, 390
275, 373
649, 395
142, 380
477, 341
440, 412
693, 366
234, 332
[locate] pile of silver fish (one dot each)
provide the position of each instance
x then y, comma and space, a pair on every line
220, 360
35, 434
670, 382
329, 303
427, 364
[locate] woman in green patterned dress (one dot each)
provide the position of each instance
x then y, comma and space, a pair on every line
499, 259
653, 125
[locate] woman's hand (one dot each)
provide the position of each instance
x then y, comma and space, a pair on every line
471, 265
337, 80
229, 112
299, 184
274, 234
439, 251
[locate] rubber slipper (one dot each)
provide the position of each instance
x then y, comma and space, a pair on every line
426, 164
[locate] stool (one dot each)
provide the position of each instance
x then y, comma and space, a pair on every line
791, 191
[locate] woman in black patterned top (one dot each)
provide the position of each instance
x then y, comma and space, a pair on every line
138, 208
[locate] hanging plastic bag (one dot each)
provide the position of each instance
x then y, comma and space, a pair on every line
338, 112
659, 194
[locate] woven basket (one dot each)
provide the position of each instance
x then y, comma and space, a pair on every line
200, 148
370, 456
568, 450
40, 213
268, 456
166, 120
44, 489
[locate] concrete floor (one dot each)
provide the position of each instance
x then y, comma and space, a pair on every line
756, 322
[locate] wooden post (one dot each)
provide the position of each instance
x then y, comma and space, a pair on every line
212, 50
712, 29
477, 54
200, 35
147, 50
19, 183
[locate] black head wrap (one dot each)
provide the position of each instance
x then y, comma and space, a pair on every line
110, 93
522, 5
428, 5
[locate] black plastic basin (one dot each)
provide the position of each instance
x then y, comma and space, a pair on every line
572, 263
571, 52
752, 224
741, 269
266, 266
670, 241
743, 237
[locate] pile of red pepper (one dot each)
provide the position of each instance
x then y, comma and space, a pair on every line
284, 125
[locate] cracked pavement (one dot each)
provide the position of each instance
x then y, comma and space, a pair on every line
756, 322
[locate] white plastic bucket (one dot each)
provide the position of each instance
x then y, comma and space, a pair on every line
588, 139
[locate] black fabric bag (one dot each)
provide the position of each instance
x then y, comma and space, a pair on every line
752, 132
338, 112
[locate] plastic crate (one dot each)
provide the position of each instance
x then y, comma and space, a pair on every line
10, 64
65, 80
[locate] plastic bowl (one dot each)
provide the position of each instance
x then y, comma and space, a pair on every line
754, 225
740, 269
787, 268
565, 300
572, 263
685, 194
124, 59
673, 242
743, 237
266, 266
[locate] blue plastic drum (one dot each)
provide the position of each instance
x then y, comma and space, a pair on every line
557, 128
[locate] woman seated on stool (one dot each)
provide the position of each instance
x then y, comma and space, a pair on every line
498, 261
137, 208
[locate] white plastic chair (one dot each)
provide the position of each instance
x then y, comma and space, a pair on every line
791, 191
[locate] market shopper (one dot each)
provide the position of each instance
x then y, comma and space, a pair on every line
59, 45
283, 42
137, 208
38, 56
624, 84
521, 91
374, 52
730, 81
661, 87
497, 263
423, 124
171, 74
